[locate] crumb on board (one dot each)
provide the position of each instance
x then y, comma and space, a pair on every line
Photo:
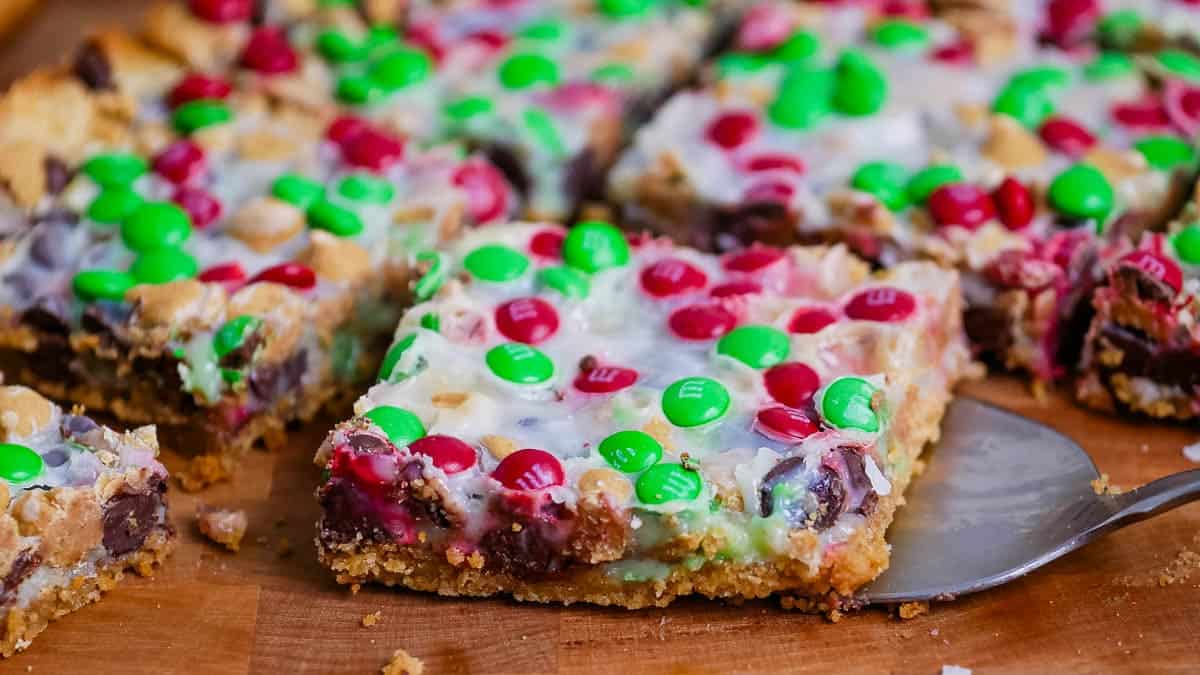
284, 548
355, 588
1102, 486
221, 525
403, 663
948, 669
911, 610
1182, 567
373, 618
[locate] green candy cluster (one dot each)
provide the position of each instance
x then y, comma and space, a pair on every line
320, 212
19, 464
375, 65
660, 482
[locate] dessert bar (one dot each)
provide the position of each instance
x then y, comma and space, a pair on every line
574, 416
213, 259
80, 505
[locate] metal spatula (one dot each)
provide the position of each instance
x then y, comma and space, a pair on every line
1002, 496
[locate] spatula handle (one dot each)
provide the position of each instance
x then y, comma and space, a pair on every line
1156, 497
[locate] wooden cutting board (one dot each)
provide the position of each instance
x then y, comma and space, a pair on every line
272, 609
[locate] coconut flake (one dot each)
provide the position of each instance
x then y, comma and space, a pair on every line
878, 481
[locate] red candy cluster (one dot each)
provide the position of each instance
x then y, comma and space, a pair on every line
363, 145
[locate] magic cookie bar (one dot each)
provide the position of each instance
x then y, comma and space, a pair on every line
80, 504
574, 417
211, 259
1014, 170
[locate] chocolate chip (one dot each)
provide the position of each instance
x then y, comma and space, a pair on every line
105, 317
526, 553
588, 362
75, 427
780, 473
48, 314
56, 458
509, 164
58, 175
92, 66
367, 443
128, 520
1168, 364
258, 12
988, 328
26, 563
816, 505
831, 498
856, 473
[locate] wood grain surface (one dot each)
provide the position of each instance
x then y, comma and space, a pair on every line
272, 609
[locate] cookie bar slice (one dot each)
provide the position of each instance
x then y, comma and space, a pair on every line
578, 417
80, 505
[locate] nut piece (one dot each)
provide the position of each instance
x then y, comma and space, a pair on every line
1116, 165
1011, 145
603, 481
282, 312
265, 223
23, 412
10, 541
222, 526
499, 446
402, 663
336, 259
67, 520
23, 172
449, 399
187, 305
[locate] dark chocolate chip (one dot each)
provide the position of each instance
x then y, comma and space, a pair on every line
367, 443
1172, 365
48, 314
128, 519
58, 174
92, 67
26, 563
527, 553
106, 318
816, 505
56, 458
831, 498
780, 473
856, 474
509, 164
988, 328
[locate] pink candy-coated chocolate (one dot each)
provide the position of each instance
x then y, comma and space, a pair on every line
672, 276
528, 320
882, 303
446, 452
792, 384
487, 191
701, 322
1182, 101
605, 379
769, 192
764, 27
529, 469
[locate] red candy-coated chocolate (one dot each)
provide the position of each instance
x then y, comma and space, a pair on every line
529, 469
1148, 113
1182, 102
907, 9
959, 53
753, 259
769, 192
961, 204
701, 322
1015, 268
203, 208
881, 304
181, 162
492, 39
373, 149
1014, 203
731, 289
370, 469
292, 274
487, 191
1156, 266
345, 128
605, 379
528, 320
808, 320
572, 96
197, 86
222, 11
424, 35
1066, 136
547, 244
1068, 21
765, 26
732, 129
446, 452
671, 276
792, 384
269, 52
230, 275
775, 161
784, 424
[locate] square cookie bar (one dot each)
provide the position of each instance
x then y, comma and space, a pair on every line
578, 417
80, 505
207, 257
898, 138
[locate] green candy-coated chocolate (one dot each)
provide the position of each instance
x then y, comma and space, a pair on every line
431, 321
199, 114
1109, 65
380, 36
521, 71
520, 364
800, 46
695, 401
163, 265
885, 180
595, 245
616, 73
736, 64
900, 34
102, 285
756, 346
391, 359
338, 47
468, 107
335, 219
1119, 30
115, 169
1166, 152
847, 404
299, 191
1187, 244
233, 333
358, 90
568, 281
496, 263
548, 29
1028, 105
19, 464
1082, 191
401, 426
804, 98
860, 87
113, 205
924, 182
402, 68
156, 225
623, 9
544, 131
1041, 77
668, 482
630, 451
365, 188
1179, 62
434, 276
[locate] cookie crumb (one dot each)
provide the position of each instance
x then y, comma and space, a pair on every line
911, 610
284, 548
402, 663
371, 619
1102, 486
222, 526
355, 588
